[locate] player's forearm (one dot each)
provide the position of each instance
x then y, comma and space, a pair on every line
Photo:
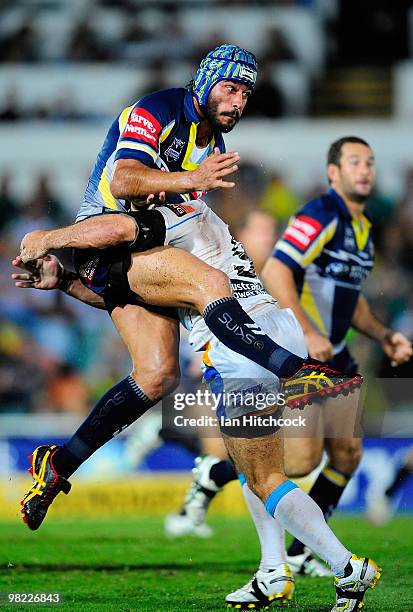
97, 232
366, 323
75, 288
279, 281
135, 180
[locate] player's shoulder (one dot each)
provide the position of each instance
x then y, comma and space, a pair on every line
321, 209
164, 100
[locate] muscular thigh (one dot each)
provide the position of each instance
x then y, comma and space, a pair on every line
168, 276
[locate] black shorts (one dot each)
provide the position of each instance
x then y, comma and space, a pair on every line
105, 271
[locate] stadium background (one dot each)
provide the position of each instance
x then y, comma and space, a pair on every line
327, 68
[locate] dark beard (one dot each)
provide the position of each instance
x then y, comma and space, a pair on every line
358, 198
211, 112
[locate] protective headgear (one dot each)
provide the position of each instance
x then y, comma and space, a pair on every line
227, 62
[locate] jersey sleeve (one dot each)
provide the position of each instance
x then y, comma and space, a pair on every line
141, 128
305, 237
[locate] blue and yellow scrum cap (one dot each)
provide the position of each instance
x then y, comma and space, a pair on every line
227, 62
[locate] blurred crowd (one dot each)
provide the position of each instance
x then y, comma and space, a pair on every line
151, 36
57, 354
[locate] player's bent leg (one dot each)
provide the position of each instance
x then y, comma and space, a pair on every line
166, 276
122, 405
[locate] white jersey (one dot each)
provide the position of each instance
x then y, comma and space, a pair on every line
195, 228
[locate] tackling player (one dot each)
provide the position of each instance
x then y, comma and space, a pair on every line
258, 459
180, 131
178, 127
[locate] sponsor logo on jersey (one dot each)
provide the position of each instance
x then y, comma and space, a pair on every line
142, 126
174, 150
302, 232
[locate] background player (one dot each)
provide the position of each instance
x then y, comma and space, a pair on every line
317, 270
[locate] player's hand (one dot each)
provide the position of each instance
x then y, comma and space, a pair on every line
211, 172
152, 199
155, 199
34, 245
43, 273
397, 348
318, 346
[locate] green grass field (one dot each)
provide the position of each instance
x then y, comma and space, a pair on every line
128, 564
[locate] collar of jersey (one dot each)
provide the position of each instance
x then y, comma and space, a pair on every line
341, 205
189, 108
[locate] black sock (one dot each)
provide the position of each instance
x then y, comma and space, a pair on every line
233, 327
223, 472
118, 408
402, 475
326, 492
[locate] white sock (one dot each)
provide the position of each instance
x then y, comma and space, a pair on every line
303, 518
270, 532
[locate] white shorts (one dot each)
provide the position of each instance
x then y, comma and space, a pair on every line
243, 385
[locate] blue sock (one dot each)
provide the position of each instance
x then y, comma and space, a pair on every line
233, 327
118, 408
276, 496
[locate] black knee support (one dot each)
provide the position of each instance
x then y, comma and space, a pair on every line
151, 230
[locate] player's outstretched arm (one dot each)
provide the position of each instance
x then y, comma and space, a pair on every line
132, 179
97, 232
48, 273
396, 346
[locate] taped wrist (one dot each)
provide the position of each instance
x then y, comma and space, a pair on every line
151, 230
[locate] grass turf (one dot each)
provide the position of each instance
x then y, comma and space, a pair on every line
128, 564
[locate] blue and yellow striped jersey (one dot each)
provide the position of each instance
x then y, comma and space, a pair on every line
330, 254
159, 131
